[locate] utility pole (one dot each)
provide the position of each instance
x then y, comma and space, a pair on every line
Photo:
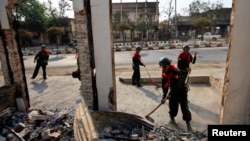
136, 19
136, 11
121, 12
175, 21
146, 21
157, 18
122, 24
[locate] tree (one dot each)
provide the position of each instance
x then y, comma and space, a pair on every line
55, 32
202, 23
141, 27
211, 11
122, 27
25, 37
63, 7
118, 18
163, 33
32, 15
57, 18
166, 24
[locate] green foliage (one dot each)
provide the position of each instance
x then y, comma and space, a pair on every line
141, 25
32, 15
184, 38
123, 26
205, 9
202, 22
57, 17
117, 16
55, 31
25, 34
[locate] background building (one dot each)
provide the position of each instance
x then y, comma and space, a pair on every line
135, 21
221, 24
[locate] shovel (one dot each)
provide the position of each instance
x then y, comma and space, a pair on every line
148, 115
151, 80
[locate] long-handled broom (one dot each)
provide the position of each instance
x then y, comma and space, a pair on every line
151, 80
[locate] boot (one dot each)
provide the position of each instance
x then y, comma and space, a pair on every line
189, 128
172, 121
133, 83
139, 85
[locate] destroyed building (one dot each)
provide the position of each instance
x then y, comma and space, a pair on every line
102, 83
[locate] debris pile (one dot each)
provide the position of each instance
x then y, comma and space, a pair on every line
162, 133
36, 125
158, 133
119, 132
57, 125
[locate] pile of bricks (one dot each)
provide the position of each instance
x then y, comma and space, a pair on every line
36, 125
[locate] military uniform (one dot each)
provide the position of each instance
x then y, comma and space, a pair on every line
136, 59
184, 60
41, 60
174, 81
173, 84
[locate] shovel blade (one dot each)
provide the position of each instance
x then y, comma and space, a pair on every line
150, 119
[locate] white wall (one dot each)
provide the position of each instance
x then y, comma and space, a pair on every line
3, 15
237, 94
103, 50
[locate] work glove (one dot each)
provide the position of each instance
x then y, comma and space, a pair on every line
165, 98
195, 53
163, 101
188, 70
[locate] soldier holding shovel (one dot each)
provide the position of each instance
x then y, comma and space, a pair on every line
173, 79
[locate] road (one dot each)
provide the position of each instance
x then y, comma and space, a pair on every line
204, 55
61, 91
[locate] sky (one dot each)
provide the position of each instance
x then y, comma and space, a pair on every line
180, 4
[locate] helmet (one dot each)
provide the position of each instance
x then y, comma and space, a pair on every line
164, 61
75, 74
138, 48
186, 48
43, 46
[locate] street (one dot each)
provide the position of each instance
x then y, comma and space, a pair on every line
204, 55
61, 91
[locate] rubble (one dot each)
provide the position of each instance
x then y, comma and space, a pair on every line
163, 133
57, 125
159, 133
36, 125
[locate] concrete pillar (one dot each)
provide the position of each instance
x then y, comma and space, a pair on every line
13, 68
4, 24
103, 52
82, 38
236, 92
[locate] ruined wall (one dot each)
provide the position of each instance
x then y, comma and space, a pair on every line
84, 52
13, 69
236, 92
95, 44
4, 24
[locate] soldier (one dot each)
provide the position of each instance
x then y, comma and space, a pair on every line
41, 60
184, 60
173, 79
76, 73
136, 58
